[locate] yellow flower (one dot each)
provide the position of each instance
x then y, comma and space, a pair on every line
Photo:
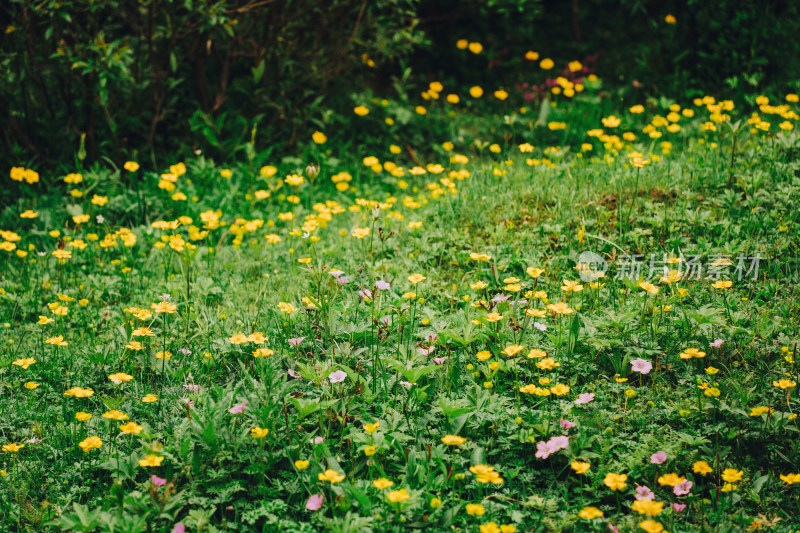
318, 137
722, 284
397, 496
546, 64
119, 377
494, 317
648, 287
672, 479
259, 433
580, 467
382, 483
287, 308
361, 111
131, 428
615, 481
689, 353
475, 509
536, 353
670, 19
648, 507
301, 464
560, 308
24, 363
701, 467
151, 460
164, 307
453, 440
331, 475
651, 526
784, 383
489, 527
486, 474
360, 233
115, 415
512, 350
131, 166
369, 451
416, 278
475, 92
262, 352
732, 475
12, 447
56, 341
475, 48
82, 417
571, 286
590, 513
149, 398
78, 392
90, 443
30, 385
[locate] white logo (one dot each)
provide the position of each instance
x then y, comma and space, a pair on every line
591, 266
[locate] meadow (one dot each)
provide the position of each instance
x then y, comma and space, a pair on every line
495, 309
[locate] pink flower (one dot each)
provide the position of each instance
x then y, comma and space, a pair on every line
566, 424
644, 493
294, 374
679, 507
426, 351
641, 366
314, 502
193, 388
682, 489
338, 376
406, 384
658, 458
179, 528
318, 440
586, 397
158, 481
439, 360
365, 293
543, 450
238, 408
613, 528
540, 327
717, 343
382, 285
296, 341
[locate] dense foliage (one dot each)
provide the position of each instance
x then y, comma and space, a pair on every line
161, 79
379, 332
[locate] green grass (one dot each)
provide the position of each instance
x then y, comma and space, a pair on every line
409, 352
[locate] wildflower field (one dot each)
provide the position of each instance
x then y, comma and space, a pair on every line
491, 308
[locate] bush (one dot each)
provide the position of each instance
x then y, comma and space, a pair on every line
159, 76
